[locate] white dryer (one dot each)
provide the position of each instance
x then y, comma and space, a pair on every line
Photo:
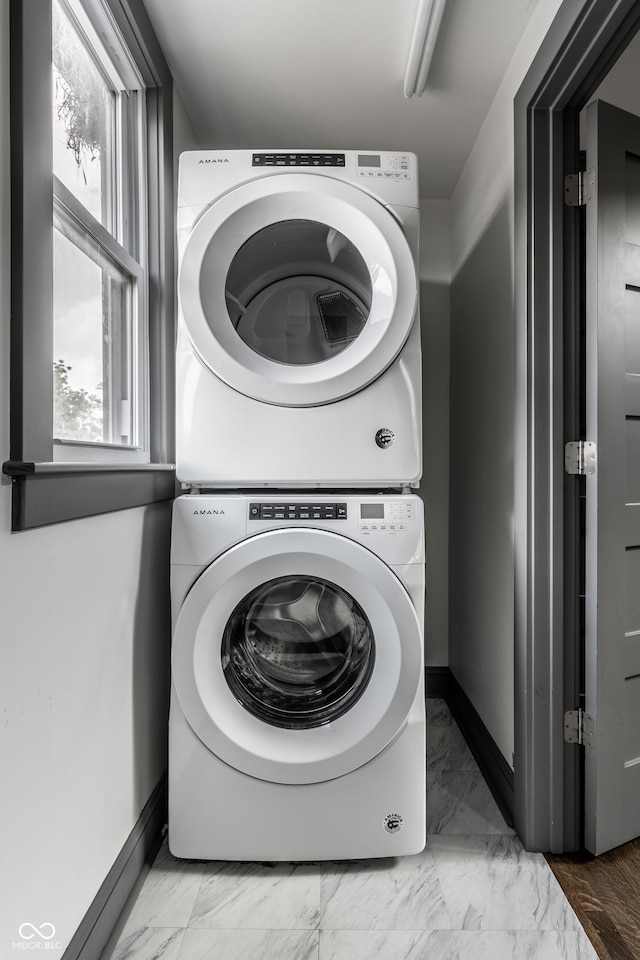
298, 349
297, 718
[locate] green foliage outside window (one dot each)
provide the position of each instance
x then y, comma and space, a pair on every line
77, 413
79, 94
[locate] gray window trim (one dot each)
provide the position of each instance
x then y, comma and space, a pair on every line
582, 44
80, 491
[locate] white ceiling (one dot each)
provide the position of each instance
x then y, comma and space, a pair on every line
328, 74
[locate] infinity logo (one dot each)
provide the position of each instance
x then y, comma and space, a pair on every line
37, 931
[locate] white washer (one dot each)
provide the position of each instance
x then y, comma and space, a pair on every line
297, 719
298, 350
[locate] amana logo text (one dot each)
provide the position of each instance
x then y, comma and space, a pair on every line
207, 513
215, 160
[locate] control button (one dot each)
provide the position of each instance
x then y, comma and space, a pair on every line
341, 511
254, 511
298, 160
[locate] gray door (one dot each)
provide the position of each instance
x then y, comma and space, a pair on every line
612, 575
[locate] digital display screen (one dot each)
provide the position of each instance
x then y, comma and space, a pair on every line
372, 511
369, 160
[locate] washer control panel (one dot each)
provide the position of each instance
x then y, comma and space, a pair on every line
395, 166
370, 516
392, 516
297, 511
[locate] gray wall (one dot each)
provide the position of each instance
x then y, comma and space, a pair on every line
435, 279
481, 548
85, 653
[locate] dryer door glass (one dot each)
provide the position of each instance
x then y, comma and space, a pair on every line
298, 652
298, 292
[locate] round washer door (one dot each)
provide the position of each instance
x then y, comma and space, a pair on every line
350, 630
297, 289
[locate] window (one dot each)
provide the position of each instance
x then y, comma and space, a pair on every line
99, 313
92, 260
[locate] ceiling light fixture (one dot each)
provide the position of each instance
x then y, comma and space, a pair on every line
423, 41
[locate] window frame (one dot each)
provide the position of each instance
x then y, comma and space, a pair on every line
45, 491
93, 240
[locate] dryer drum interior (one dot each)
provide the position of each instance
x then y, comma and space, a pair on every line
298, 652
298, 292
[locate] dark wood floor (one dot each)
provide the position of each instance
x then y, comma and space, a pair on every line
605, 894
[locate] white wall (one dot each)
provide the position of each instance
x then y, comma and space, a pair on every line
84, 677
481, 570
184, 136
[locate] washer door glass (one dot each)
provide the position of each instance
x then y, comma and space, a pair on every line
298, 652
297, 656
298, 292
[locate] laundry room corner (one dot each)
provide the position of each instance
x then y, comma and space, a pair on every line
435, 283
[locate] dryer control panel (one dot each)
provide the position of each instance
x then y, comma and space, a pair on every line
298, 160
392, 165
396, 166
297, 511
205, 177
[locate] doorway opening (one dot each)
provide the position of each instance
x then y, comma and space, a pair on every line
577, 55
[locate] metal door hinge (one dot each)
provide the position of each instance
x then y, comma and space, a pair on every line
580, 457
579, 188
580, 728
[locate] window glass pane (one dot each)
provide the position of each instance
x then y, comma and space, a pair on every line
298, 652
92, 300
83, 118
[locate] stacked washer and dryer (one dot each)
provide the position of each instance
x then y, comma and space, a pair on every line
297, 717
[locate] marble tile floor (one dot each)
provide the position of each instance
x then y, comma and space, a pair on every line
473, 894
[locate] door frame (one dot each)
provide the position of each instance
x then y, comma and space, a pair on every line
583, 42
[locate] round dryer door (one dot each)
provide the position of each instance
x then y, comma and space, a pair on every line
297, 289
297, 656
